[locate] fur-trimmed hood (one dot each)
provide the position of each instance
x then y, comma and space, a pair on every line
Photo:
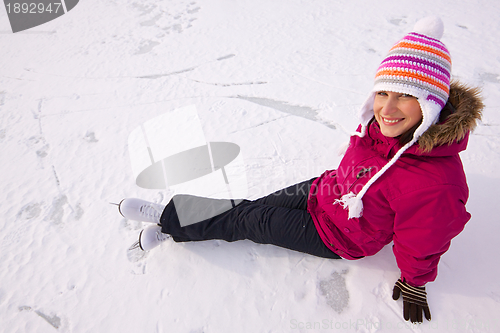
468, 106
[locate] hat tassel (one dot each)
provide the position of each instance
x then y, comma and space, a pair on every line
353, 203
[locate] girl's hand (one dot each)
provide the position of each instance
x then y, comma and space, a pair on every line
414, 301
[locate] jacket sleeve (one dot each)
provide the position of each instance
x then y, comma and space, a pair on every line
425, 221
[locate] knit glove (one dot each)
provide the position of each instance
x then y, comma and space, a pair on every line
414, 301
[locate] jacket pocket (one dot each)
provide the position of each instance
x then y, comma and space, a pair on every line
343, 240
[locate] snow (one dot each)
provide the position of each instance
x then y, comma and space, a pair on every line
283, 80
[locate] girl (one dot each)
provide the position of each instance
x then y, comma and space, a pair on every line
401, 180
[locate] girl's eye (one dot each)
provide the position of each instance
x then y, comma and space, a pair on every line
407, 95
382, 93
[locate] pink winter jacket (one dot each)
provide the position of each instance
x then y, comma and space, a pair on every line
418, 203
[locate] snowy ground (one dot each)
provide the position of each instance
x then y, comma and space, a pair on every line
283, 80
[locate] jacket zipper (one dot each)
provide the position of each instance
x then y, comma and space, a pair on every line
363, 172
360, 174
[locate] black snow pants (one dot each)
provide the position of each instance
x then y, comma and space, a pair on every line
280, 218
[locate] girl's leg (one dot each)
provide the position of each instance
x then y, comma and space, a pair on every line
264, 224
294, 196
191, 209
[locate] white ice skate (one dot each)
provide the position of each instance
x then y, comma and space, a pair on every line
151, 237
140, 210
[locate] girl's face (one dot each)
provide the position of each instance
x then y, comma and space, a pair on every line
396, 113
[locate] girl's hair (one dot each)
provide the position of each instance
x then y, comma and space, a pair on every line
408, 135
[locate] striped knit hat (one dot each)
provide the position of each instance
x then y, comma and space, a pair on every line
418, 65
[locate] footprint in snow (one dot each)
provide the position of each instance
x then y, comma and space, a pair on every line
168, 18
335, 291
43, 152
53, 320
57, 212
90, 137
30, 211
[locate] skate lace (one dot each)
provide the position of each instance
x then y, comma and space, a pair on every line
150, 211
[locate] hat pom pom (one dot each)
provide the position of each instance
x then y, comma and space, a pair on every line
431, 26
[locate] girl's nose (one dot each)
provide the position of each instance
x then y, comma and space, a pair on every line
390, 107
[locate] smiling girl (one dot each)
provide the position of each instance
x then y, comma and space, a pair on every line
401, 180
